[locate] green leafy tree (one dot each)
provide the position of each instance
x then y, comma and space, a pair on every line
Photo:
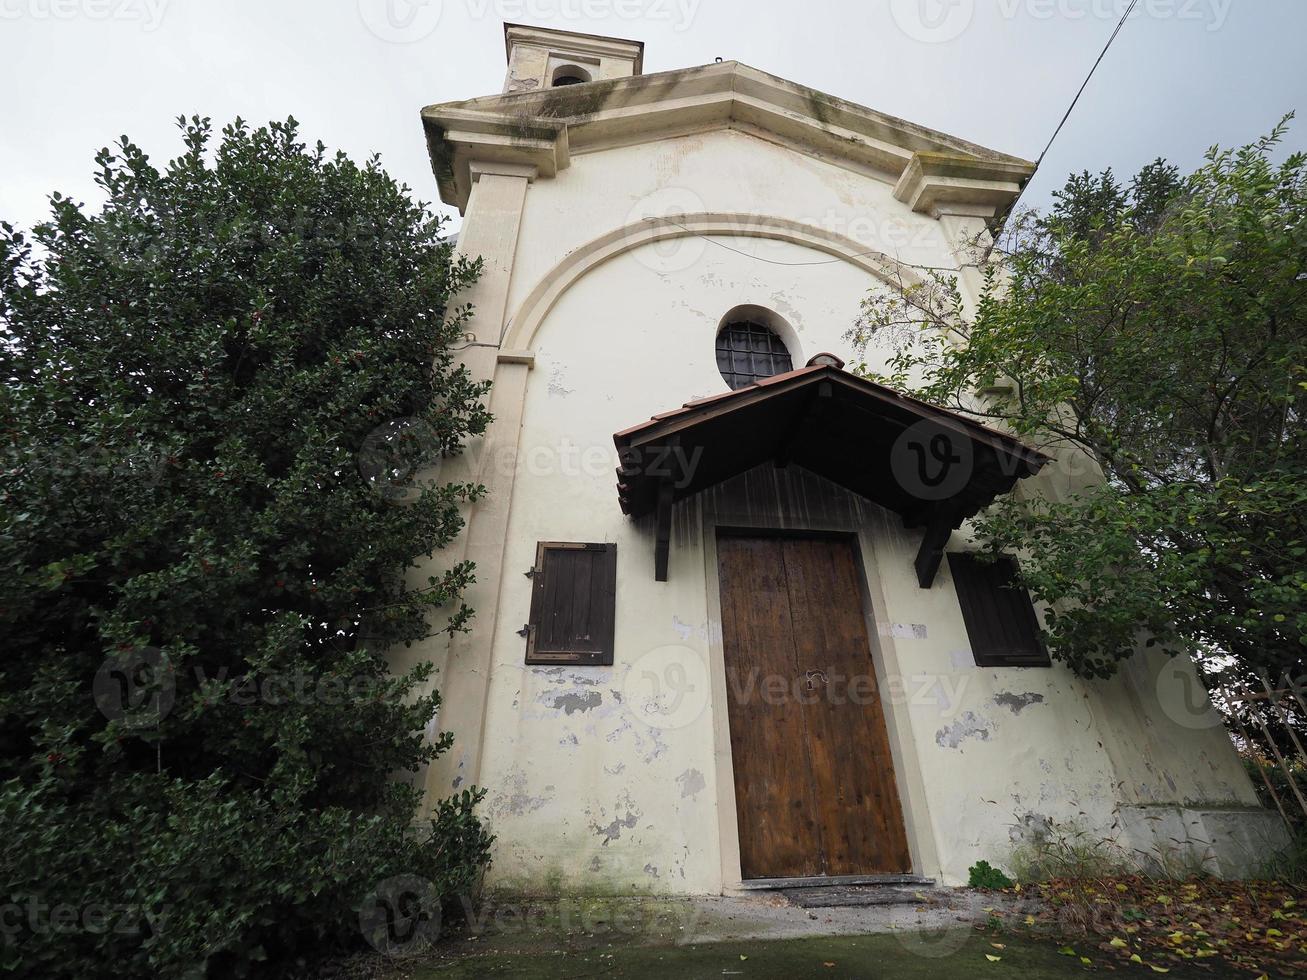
1159, 330
219, 390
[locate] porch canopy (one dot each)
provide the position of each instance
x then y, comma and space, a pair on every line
933, 467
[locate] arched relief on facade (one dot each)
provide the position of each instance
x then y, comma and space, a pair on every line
519, 333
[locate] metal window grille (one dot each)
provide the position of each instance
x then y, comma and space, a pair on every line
748, 352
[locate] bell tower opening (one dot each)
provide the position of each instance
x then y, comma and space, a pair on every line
540, 58
570, 75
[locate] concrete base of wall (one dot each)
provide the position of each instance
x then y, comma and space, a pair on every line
1229, 842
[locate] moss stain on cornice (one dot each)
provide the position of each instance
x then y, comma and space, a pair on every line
573, 101
441, 152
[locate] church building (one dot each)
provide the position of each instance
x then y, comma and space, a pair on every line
729, 628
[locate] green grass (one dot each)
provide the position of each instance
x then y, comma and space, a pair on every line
895, 955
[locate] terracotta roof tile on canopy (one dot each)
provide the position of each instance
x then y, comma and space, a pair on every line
933, 467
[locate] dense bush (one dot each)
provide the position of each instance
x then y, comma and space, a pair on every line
1156, 332
216, 388
173, 877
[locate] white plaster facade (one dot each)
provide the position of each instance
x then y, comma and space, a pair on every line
619, 221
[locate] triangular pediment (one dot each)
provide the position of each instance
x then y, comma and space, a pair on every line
541, 130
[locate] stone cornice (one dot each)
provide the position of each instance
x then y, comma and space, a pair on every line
593, 44
944, 183
931, 171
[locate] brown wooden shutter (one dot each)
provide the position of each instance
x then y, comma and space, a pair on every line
1000, 618
573, 604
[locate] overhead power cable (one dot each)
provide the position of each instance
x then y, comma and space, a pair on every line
1071, 108
1038, 162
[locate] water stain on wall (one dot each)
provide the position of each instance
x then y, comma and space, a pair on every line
691, 782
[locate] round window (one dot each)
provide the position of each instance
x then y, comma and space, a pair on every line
749, 350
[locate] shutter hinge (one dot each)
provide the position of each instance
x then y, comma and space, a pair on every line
525, 630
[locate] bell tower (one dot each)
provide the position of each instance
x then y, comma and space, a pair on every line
540, 58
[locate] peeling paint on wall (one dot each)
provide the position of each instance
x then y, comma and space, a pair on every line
781, 302
692, 311
562, 675
612, 830
556, 387
688, 631
968, 725
572, 703
1016, 703
648, 741
569, 691
516, 801
903, 631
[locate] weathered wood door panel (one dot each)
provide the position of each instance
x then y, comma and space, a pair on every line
772, 766
814, 781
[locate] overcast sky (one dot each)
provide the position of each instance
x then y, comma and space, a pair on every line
1183, 74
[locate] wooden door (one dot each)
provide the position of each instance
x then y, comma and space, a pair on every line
814, 782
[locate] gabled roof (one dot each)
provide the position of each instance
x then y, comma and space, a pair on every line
542, 129
933, 467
